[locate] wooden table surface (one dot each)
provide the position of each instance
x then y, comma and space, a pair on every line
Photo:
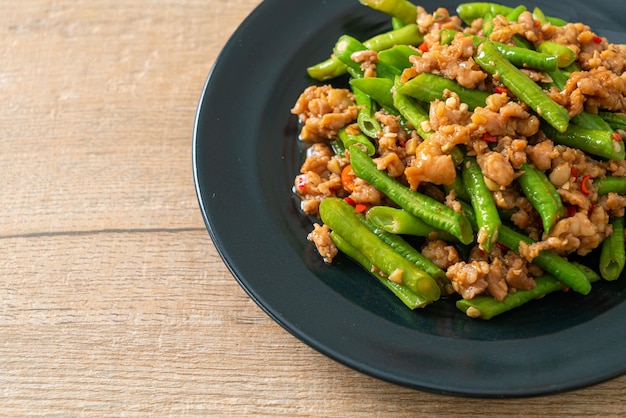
113, 300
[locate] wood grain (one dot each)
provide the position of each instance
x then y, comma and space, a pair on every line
113, 300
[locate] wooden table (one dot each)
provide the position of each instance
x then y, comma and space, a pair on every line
113, 300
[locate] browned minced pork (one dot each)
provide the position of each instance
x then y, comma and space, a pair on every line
320, 177
597, 89
497, 168
469, 279
323, 111
368, 60
441, 253
320, 236
454, 61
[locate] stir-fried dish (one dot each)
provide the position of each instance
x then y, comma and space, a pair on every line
477, 154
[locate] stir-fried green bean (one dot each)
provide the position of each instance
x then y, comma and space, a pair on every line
333, 67
358, 140
402, 10
428, 87
482, 201
548, 260
542, 195
610, 184
399, 221
410, 299
341, 218
424, 207
612, 255
493, 62
409, 252
366, 118
593, 141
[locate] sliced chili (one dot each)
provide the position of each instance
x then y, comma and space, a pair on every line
584, 185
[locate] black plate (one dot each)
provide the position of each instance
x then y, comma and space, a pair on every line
245, 156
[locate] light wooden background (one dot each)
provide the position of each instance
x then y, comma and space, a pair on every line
113, 300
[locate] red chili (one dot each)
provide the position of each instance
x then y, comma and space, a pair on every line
574, 172
583, 185
360, 207
301, 183
487, 137
349, 201
500, 90
617, 136
423, 47
597, 40
502, 247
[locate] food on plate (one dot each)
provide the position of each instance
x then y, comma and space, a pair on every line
476, 157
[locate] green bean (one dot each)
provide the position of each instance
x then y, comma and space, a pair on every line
413, 111
366, 118
424, 207
539, 16
428, 87
346, 46
522, 42
379, 89
612, 253
333, 67
542, 195
593, 141
340, 217
584, 119
482, 201
563, 54
398, 56
409, 252
521, 57
487, 24
486, 307
458, 187
550, 261
616, 120
492, 61
399, 221
468, 12
358, 140
397, 23
402, 10
410, 299
610, 184
337, 147
514, 14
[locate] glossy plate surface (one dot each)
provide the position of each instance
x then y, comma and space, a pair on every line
245, 156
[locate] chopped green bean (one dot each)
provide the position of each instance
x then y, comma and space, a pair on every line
341, 218
411, 110
358, 140
428, 87
550, 261
366, 118
542, 195
610, 184
333, 67
616, 120
409, 252
593, 141
410, 299
563, 54
398, 56
482, 201
379, 89
486, 307
492, 61
347, 45
612, 253
402, 10
424, 207
399, 221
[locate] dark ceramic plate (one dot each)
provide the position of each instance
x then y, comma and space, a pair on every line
245, 155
